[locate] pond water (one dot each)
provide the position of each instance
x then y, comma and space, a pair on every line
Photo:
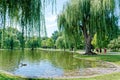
44, 63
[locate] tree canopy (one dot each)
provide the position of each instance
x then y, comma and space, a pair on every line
87, 18
28, 14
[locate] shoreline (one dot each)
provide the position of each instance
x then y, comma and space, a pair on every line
103, 71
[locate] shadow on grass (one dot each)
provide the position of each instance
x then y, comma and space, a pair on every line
8, 77
38, 79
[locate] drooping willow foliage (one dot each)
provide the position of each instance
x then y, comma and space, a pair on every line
29, 14
87, 18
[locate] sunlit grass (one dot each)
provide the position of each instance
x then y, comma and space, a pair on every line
114, 76
110, 58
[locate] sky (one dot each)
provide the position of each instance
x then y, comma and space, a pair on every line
117, 12
51, 18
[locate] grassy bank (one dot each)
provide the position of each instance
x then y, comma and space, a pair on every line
114, 76
108, 57
9, 77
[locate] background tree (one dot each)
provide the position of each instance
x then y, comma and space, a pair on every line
60, 42
87, 18
43, 44
50, 43
33, 43
11, 40
55, 35
47, 43
114, 44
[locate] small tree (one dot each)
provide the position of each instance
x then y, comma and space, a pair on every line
50, 43
11, 43
47, 43
11, 40
33, 43
43, 44
55, 35
60, 43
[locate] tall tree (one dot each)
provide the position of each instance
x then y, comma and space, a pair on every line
87, 18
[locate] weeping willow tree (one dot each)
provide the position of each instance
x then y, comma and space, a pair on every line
87, 18
29, 14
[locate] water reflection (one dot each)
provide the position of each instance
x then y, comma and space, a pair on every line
41, 63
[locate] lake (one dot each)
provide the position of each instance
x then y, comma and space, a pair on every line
41, 63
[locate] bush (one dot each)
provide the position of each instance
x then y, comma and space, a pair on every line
60, 42
47, 43
32, 43
114, 44
11, 43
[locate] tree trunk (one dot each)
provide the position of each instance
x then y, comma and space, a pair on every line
88, 40
88, 46
23, 43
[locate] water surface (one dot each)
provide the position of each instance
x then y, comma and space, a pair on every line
44, 63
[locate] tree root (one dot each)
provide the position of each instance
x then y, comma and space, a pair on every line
90, 53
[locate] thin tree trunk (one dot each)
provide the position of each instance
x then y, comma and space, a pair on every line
22, 37
3, 32
26, 32
23, 42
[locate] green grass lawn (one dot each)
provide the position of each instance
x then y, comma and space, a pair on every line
11, 77
110, 58
8, 77
114, 76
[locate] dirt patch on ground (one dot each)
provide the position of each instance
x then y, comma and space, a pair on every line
91, 72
